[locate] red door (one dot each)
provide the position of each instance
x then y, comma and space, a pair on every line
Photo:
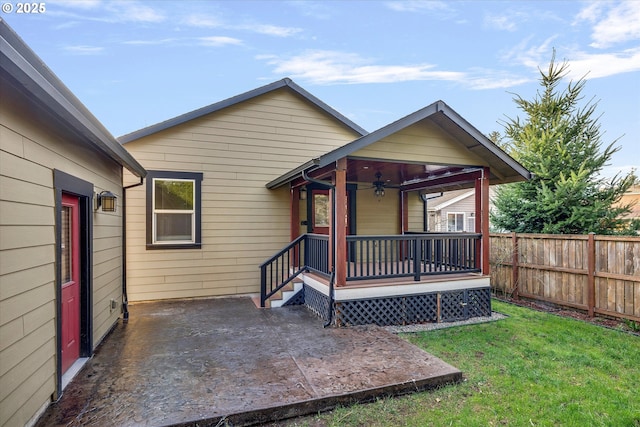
70, 267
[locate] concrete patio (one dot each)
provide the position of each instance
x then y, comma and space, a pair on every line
204, 362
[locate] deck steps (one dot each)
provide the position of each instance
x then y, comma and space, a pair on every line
285, 294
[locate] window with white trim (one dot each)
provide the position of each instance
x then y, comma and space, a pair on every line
173, 209
455, 222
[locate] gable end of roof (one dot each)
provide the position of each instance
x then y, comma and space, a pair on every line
286, 82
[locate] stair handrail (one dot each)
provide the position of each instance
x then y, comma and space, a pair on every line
264, 295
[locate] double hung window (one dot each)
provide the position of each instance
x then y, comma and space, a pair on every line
455, 222
173, 209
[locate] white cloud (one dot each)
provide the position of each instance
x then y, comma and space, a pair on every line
218, 41
130, 11
591, 12
150, 42
612, 22
418, 6
621, 24
330, 67
207, 21
84, 50
489, 79
594, 66
530, 56
110, 12
273, 30
500, 22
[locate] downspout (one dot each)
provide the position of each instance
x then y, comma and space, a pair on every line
425, 211
125, 299
333, 239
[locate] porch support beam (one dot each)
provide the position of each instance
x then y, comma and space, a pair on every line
404, 212
340, 218
295, 213
459, 178
484, 213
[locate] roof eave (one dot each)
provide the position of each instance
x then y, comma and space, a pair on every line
484, 141
292, 174
22, 65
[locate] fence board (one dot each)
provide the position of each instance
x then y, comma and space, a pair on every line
555, 268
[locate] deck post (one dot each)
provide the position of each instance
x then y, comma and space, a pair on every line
417, 258
486, 269
295, 213
340, 182
295, 221
404, 212
478, 221
482, 221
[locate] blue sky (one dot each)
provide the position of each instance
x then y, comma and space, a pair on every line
136, 63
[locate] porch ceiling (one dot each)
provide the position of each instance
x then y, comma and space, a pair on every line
407, 176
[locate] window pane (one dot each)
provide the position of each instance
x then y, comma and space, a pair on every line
65, 260
173, 195
321, 206
174, 227
460, 222
451, 223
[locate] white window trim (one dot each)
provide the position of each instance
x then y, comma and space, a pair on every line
464, 218
155, 211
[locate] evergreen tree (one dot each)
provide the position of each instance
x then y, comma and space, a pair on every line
560, 142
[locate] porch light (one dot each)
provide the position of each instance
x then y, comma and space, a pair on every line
303, 193
378, 186
107, 201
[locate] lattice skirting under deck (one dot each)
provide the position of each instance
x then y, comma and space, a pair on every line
445, 306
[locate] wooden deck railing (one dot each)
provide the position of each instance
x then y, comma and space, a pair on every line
373, 257
411, 255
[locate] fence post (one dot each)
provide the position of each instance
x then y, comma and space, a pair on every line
591, 270
514, 265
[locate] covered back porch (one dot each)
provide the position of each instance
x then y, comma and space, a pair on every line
358, 224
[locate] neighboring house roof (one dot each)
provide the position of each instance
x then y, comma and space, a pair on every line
286, 82
452, 197
504, 166
449, 199
22, 68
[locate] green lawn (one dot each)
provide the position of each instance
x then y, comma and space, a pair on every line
531, 369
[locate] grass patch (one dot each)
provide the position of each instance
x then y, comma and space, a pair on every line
531, 369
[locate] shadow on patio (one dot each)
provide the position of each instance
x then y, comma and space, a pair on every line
203, 361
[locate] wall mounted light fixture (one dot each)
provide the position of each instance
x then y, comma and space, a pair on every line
106, 201
303, 193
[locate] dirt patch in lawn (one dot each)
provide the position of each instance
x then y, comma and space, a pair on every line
607, 322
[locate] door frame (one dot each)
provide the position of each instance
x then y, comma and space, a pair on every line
65, 183
351, 209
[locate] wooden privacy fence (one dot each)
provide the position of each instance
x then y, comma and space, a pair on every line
598, 274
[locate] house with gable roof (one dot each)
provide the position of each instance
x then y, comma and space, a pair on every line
275, 193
